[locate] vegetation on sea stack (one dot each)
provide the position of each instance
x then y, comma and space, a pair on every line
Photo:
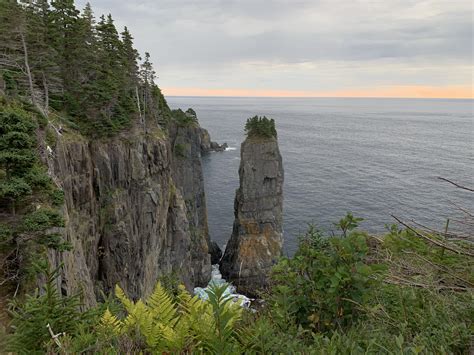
260, 127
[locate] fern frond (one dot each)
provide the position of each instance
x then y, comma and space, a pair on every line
124, 299
161, 305
137, 313
111, 323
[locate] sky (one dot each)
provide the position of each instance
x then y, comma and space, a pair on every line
298, 48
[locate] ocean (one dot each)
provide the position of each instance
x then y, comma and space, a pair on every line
372, 157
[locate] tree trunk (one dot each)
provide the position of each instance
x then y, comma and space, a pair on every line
46, 95
142, 119
28, 71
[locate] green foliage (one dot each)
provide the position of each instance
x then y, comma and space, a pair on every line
358, 294
348, 223
57, 197
30, 318
260, 127
184, 119
180, 150
166, 325
76, 65
26, 193
336, 296
50, 138
322, 286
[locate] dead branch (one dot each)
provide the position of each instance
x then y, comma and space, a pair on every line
400, 281
440, 267
456, 184
434, 241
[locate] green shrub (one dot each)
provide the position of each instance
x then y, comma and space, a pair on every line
322, 286
260, 127
26, 192
31, 317
180, 150
184, 119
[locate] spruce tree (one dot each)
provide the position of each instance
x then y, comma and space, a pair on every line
44, 58
129, 98
63, 29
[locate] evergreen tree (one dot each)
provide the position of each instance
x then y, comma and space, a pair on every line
63, 29
14, 51
88, 56
147, 75
44, 58
129, 98
108, 76
57, 58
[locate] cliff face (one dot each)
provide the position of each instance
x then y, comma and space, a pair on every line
125, 213
256, 239
188, 176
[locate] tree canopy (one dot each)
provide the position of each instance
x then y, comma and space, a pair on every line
64, 60
260, 127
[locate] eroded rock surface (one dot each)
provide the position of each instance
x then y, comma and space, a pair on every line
256, 240
133, 213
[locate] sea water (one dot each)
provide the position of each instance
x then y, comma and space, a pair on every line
373, 157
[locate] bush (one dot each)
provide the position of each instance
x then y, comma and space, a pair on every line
260, 127
323, 285
31, 318
26, 193
184, 119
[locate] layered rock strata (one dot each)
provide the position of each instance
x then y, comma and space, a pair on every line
133, 211
256, 240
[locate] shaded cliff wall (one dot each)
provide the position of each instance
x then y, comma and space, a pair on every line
125, 216
256, 240
187, 174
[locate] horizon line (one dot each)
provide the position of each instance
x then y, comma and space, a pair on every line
326, 97
394, 91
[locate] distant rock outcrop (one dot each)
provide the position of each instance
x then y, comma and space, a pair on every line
209, 146
256, 240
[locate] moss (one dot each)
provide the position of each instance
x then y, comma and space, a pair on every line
180, 150
50, 137
158, 133
172, 190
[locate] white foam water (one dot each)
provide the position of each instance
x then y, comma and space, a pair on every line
216, 279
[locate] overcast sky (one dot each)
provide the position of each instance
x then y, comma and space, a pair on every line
303, 48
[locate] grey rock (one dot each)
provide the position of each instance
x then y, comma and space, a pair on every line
216, 253
126, 216
256, 241
188, 176
209, 146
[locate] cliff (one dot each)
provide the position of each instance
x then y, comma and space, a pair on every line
256, 239
134, 210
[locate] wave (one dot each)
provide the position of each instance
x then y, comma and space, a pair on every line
230, 148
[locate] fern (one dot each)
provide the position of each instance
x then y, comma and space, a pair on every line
110, 322
187, 324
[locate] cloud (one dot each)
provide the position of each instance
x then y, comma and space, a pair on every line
301, 45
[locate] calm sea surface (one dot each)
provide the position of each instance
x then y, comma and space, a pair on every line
374, 157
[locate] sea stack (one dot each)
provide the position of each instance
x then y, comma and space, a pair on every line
256, 241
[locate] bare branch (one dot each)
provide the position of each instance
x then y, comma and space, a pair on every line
433, 241
456, 184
